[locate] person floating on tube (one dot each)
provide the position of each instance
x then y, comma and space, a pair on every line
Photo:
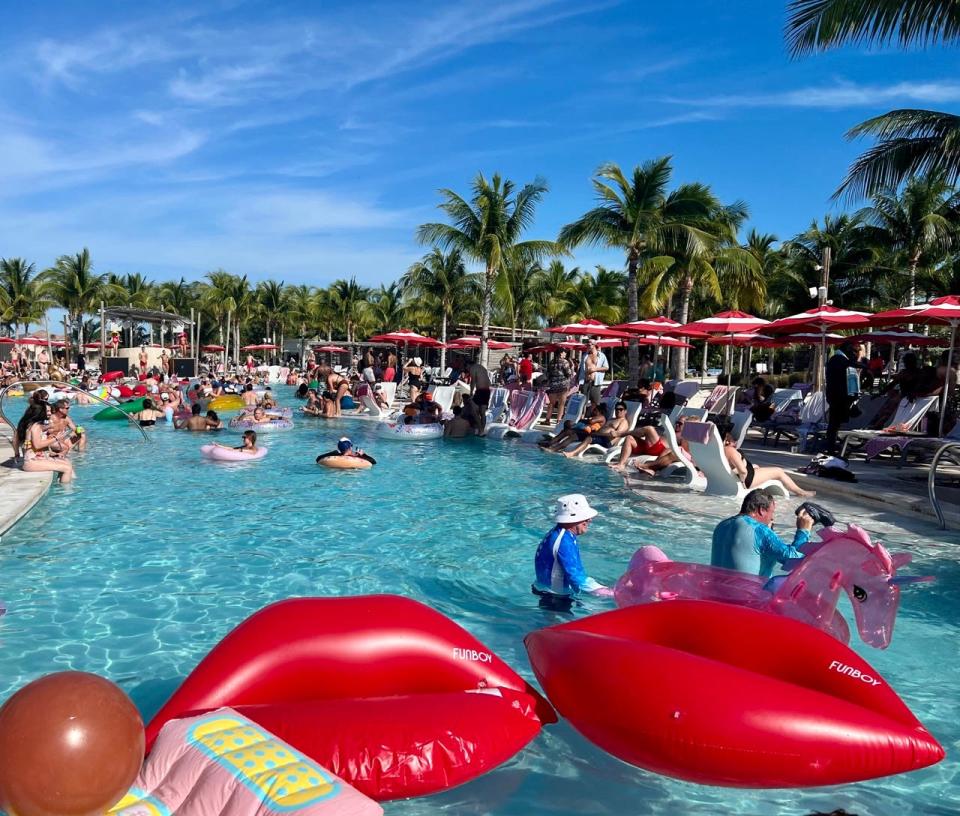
560, 572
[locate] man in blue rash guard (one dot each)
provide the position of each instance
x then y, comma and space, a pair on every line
747, 543
558, 566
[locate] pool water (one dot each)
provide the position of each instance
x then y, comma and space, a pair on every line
154, 554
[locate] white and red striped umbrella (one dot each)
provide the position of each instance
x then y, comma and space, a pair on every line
943, 311
259, 347
589, 326
403, 337
809, 339
820, 319
729, 322
212, 347
903, 337
658, 326
331, 349
9, 340
473, 342
743, 339
663, 342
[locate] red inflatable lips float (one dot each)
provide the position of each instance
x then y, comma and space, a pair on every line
726, 695
387, 693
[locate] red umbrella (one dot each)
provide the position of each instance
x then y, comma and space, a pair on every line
7, 340
819, 319
807, 339
901, 337
212, 348
332, 349
658, 326
944, 311
32, 341
729, 322
406, 337
589, 326
259, 347
474, 342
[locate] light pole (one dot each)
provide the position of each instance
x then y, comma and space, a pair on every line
822, 301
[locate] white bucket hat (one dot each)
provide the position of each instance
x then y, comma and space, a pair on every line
573, 508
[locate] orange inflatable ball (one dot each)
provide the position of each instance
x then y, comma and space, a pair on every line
71, 744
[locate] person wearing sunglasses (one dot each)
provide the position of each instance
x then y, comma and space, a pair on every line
607, 434
61, 423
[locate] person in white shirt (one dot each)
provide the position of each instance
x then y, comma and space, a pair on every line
593, 370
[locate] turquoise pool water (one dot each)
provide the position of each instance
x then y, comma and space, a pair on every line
138, 569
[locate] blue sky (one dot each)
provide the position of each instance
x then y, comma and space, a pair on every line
306, 141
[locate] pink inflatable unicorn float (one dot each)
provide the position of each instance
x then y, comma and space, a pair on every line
845, 561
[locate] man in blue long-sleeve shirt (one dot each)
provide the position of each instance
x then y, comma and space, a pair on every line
747, 543
557, 562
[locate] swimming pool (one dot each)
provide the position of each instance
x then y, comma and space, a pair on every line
143, 564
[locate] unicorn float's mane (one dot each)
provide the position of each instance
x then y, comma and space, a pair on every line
854, 534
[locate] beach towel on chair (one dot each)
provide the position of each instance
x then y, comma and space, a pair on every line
222, 764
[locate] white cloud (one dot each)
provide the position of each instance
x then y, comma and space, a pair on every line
840, 95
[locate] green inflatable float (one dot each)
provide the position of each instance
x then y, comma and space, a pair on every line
120, 411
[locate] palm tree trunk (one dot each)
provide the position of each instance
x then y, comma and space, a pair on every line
681, 358
443, 339
633, 352
485, 317
226, 348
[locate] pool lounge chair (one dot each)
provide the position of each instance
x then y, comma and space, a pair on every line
443, 396
921, 445
572, 411
683, 468
523, 419
811, 420
707, 450
907, 418
634, 409
498, 405
373, 409
742, 420
687, 412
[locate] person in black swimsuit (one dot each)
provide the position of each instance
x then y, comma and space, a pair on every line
748, 473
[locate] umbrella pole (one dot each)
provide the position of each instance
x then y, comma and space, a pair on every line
703, 368
948, 380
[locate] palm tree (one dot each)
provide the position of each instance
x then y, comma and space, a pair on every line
554, 287
21, 298
637, 216
440, 284
387, 311
921, 220
72, 285
349, 300
218, 302
598, 295
517, 291
487, 228
271, 298
718, 267
911, 142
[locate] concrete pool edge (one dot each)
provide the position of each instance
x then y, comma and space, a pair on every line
19, 493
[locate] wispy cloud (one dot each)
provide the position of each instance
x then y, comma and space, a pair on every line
840, 95
638, 72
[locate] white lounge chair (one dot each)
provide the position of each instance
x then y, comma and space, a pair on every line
683, 468
389, 391
572, 411
687, 389
525, 419
696, 414
706, 448
812, 420
906, 418
741, 424
634, 409
516, 402
443, 396
373, 409
498, 405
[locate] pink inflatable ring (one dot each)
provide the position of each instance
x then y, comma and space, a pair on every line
220, 453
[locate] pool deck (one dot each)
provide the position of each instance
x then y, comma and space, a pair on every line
19, 491
880, 486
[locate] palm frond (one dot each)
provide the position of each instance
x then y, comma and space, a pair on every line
816, 25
